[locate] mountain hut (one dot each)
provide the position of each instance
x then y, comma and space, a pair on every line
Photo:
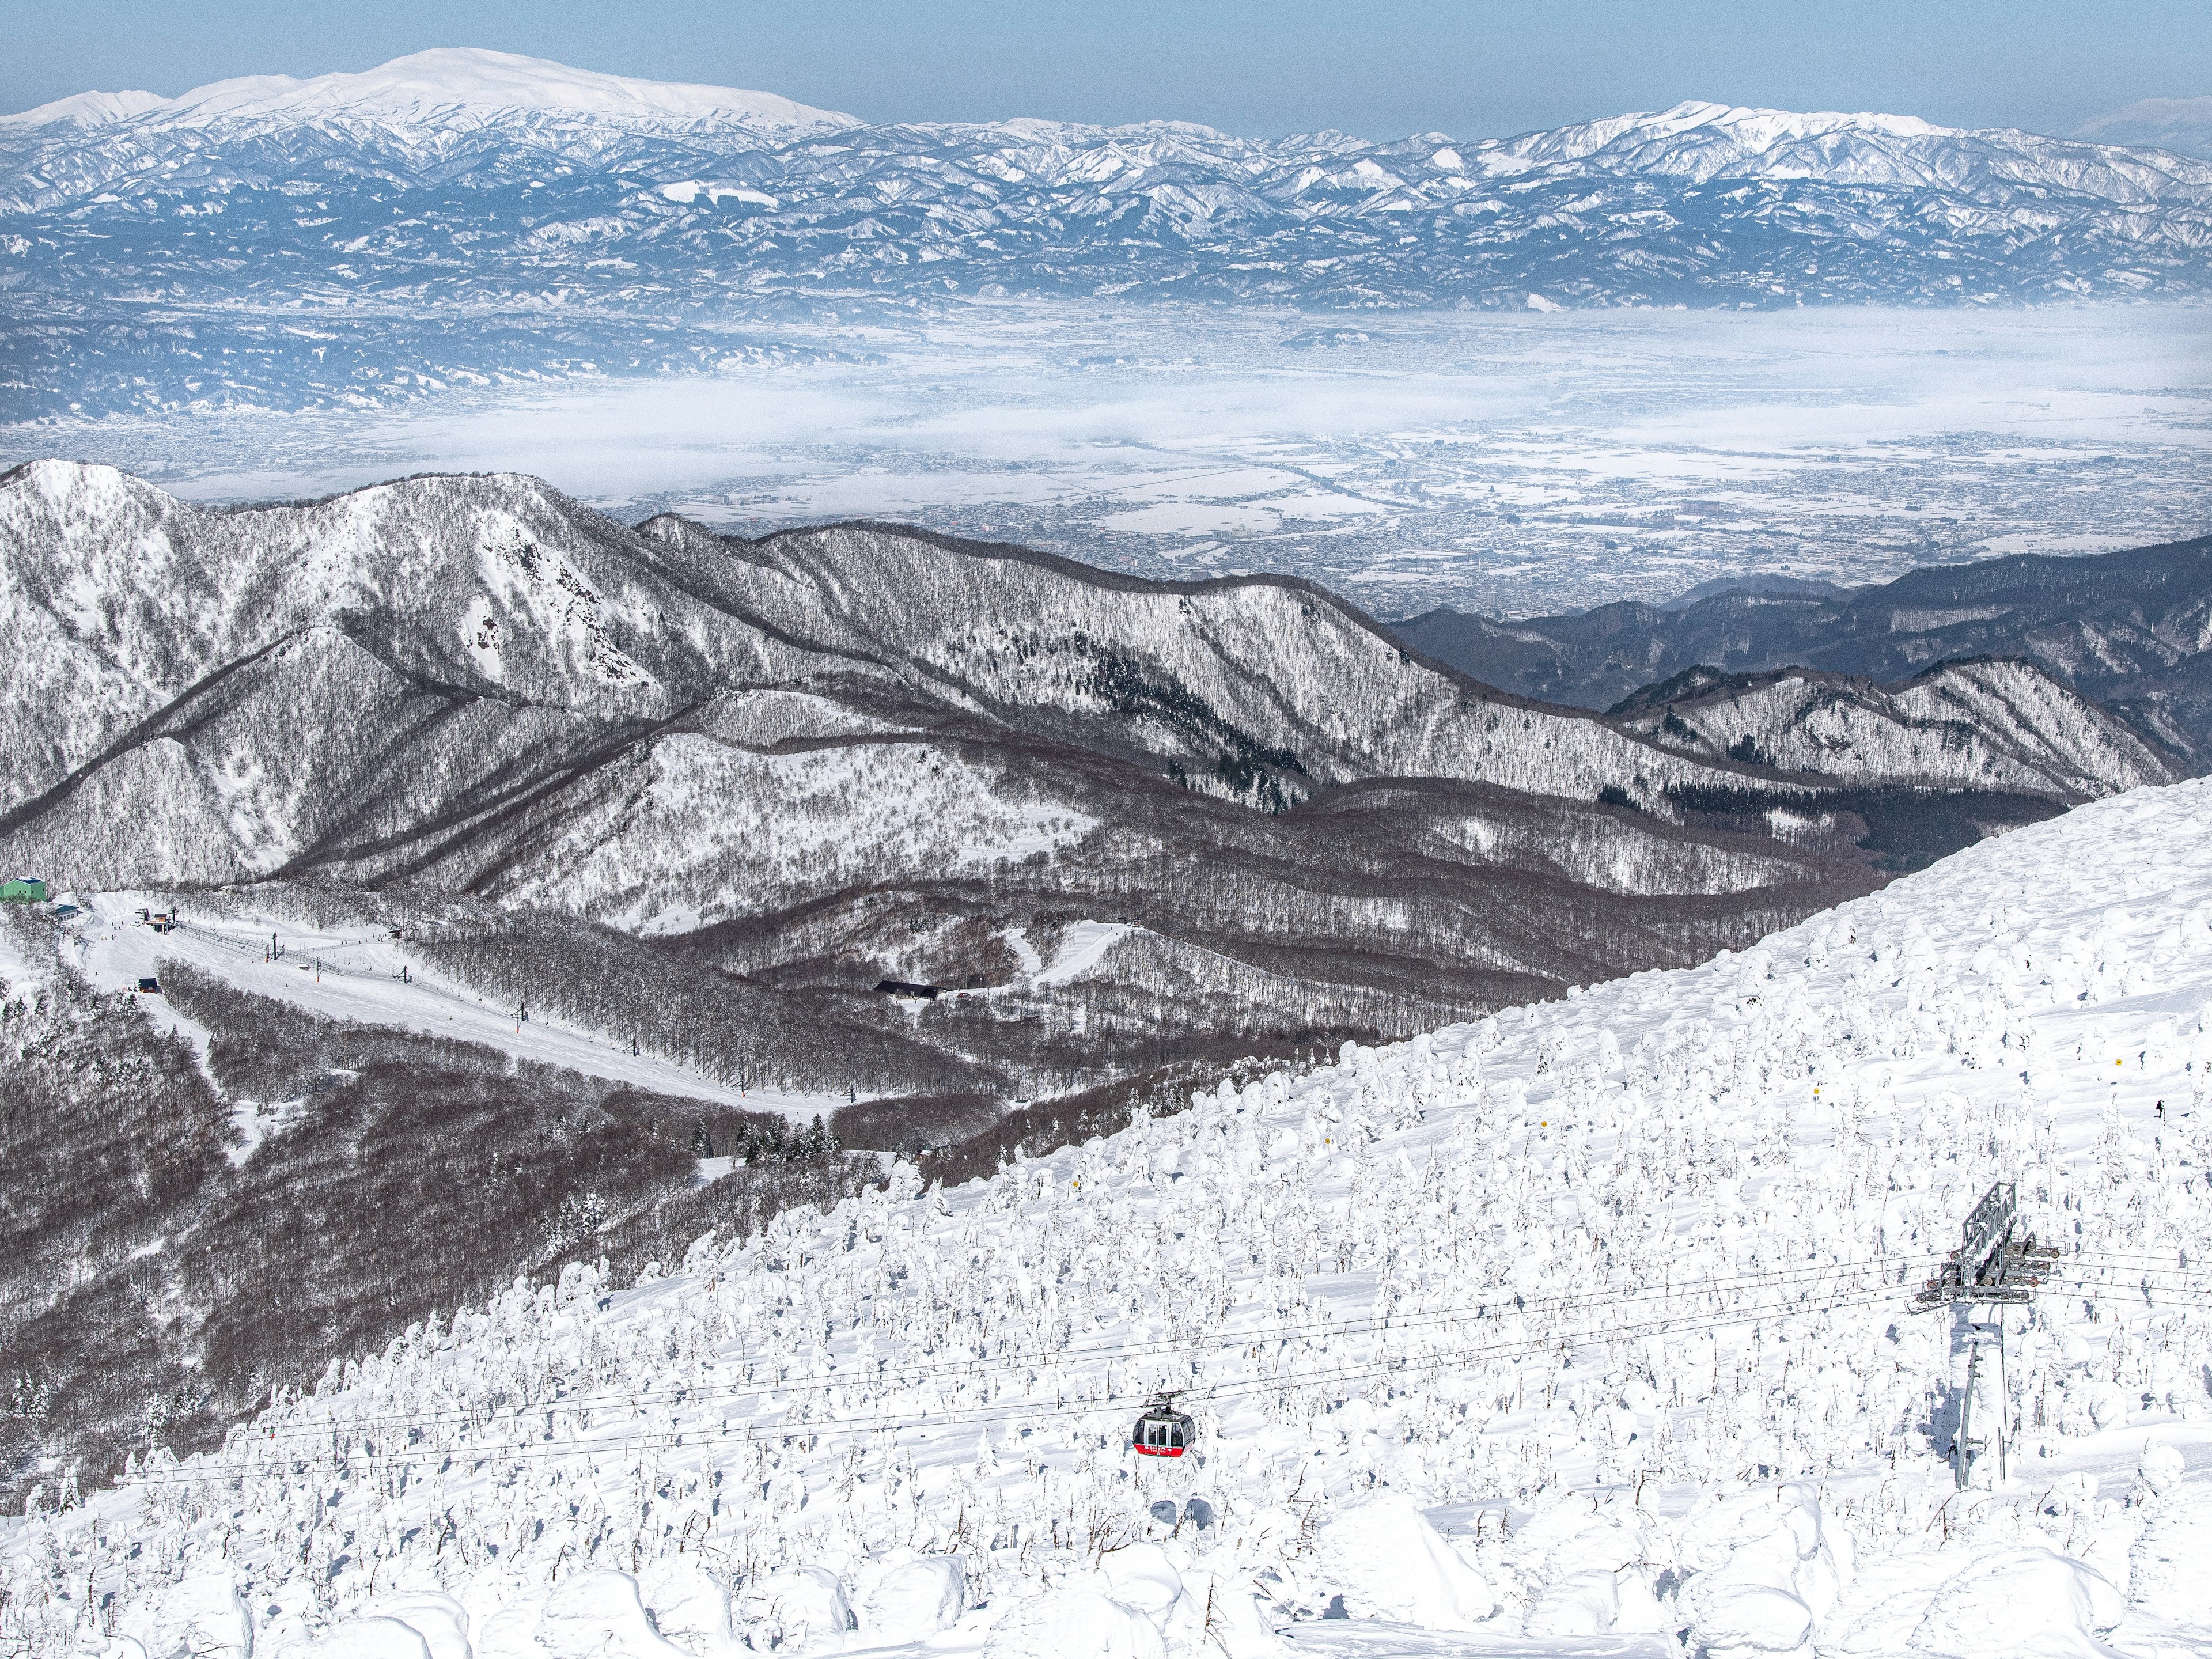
900, 987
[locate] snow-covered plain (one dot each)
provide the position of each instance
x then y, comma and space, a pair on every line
1507, 463
1580, 1330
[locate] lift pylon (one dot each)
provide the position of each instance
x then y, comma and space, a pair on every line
1990, 1264
1995, 1266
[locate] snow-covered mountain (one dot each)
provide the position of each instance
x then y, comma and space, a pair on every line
430, 89
1585, 1328
2182, 124
2005, 726
423, 104
462, 640
501, 192
702, 794
2131, 629
127, 605
86, 109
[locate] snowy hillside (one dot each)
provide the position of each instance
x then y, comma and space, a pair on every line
703, 796
1590, 1320
481, 187
2004, 726
356, 974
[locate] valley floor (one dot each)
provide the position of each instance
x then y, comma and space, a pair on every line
1582, 1329
1502, 464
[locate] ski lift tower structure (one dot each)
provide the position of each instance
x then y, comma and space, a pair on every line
1996, 1266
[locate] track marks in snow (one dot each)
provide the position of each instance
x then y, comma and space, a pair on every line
355, 974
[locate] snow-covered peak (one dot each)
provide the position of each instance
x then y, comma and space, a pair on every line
2176, 124
51, 492
1758, 125
87, 109
1696, 141
1749, 131
437, 87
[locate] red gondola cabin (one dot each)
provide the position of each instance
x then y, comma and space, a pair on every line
1163, 1432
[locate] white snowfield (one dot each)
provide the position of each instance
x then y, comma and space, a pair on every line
1581, 1330
354, 974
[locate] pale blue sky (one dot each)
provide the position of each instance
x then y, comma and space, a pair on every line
1382, 68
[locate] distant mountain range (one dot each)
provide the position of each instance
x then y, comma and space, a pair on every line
462, 216
2182, 124
2132, 630
493, 95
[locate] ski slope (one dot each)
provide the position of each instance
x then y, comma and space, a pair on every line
354, 974
1581, 1330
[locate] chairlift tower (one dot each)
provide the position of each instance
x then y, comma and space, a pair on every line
1995, 1267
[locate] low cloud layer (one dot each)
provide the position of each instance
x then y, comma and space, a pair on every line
1507, 463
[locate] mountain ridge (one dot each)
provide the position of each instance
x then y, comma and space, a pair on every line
2128, 628
656, 237
473, 690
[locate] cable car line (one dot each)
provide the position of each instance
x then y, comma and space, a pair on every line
918, 1373
1000, 1410
313, 1429
369, 1462
984, 1415
983, 1369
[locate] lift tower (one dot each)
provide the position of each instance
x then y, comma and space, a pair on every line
1995, 1265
